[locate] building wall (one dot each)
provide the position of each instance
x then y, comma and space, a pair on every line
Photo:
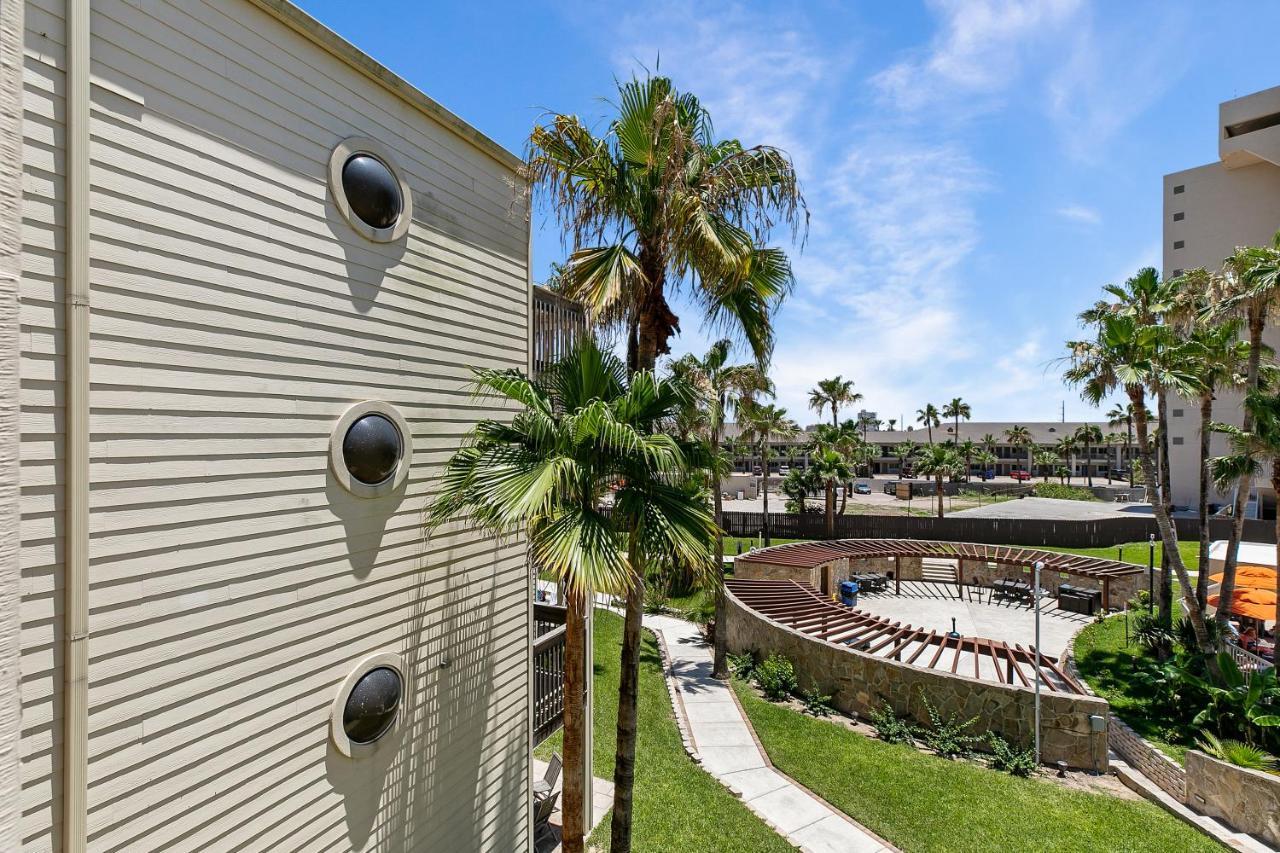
1222, 208
236, 315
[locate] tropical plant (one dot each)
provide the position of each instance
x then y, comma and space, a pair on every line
1065, 449
762, 424
830, 466
957, 409
904, 451
1238, 753
1020, 436
1087, 435
723, 388
967, 449
893, 424
929, 417
658, 204
986, 460
832, 394
577, 432
776, 677
1247, 705
798, 485
1046, 460
939, 461
1009, 758
889, 727
1123, 414
816, 702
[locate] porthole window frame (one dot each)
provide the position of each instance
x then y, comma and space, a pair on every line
338, 734
336, 461
344, 151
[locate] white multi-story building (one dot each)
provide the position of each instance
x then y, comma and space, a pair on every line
1208, 212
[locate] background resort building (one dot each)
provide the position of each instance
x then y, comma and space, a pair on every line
1208, 212
248, 268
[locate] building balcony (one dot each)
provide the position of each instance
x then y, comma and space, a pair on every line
548, 671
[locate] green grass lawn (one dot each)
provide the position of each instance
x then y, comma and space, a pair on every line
678, 807
1107, 664
1137, 553
920, 802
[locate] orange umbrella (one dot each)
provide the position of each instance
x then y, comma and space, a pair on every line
1256, 603
1259, 577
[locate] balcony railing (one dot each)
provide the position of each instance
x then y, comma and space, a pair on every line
548, 671
558, 324
1248, 662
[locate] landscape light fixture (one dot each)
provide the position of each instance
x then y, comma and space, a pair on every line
1151, 570
1036, 592
953, 633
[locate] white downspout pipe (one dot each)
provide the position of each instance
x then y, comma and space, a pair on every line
75, 705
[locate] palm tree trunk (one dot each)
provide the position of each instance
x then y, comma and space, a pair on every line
1226, 590
1202, 565
831, 509
764, 491
1168, 536
1128, 432
1166, 496
940, 504
1088, 463
624, 766
719, 665
573, 828
1275, 487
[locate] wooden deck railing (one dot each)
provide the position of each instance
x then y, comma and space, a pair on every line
548, 671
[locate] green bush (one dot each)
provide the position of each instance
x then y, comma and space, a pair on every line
1063, 492
776, 677
743, 665
816, 703
655, 599
949, 738
1005, 756
889, 727
1238, 753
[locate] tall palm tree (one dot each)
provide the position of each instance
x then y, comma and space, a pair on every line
831, 466
1065, 448
939, 461
1020, 436
957, 409
1088, 435
893, 424
903, 451
658, 204
1124, 355
1123, 415
832, 394
723, 388
1115, 440
1046, 460
762, 424
929, 417
578, 431
1249, 451
1249, 287
986, 460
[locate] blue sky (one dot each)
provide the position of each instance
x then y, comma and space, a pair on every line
975, 171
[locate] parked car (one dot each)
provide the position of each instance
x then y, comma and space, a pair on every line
862, 488
1019, 474
989, 474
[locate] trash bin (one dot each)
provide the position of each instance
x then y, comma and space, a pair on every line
849, 593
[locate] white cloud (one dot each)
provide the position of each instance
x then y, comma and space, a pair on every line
1080, 213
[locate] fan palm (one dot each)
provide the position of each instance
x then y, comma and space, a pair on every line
1045, 460
654, 206
986, 461
831, 466
1087, 435
762, 424
929, 417
967, 449
723, 388
1123, 414
577, 431
957, 409
939, 461
1020, 436
832, 394
904, 451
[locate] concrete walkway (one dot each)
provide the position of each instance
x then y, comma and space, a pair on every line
718, 736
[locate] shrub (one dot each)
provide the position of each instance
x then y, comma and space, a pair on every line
889, 727
1153, 636
1238, 753
776, 677
815, 703
1141, 601
1005, 756
948, 737
1063, 492
655, 599
743, 665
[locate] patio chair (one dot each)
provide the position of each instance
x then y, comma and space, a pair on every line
542, 787
542, 830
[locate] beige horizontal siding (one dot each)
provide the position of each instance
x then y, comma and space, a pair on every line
235, 317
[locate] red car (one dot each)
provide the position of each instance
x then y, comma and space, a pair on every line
1019, 474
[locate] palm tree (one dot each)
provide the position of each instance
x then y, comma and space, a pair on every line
658, 201
957, 409
1088, 435
986, 460
1065, 448
1124, 354
893, 424
1020, 436
1123, 415
1046, 460
762, 424
1249, 450
929, 417
1118, 441
723, 388
966, 449
904, 451
833, 393
830, 465
939, 461
1248, 288
577, 431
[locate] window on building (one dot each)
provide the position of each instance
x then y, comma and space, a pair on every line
1177, 439
1179, 216
1179, 189
1178, 272
1178, 244
1249, 126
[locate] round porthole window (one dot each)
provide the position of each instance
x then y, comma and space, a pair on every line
369, 189
369, 705
370, 449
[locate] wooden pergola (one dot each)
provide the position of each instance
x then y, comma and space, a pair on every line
800, 607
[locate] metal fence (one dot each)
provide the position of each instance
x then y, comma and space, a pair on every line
548, 671
1032, 532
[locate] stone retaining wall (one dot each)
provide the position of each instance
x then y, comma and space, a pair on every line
858, 683
1248, 800
1147, 760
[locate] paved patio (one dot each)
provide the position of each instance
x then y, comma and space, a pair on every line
601, 802
1055, 509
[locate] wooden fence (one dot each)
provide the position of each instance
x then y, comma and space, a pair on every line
1032, 532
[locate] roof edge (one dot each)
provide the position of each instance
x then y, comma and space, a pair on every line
325, 38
